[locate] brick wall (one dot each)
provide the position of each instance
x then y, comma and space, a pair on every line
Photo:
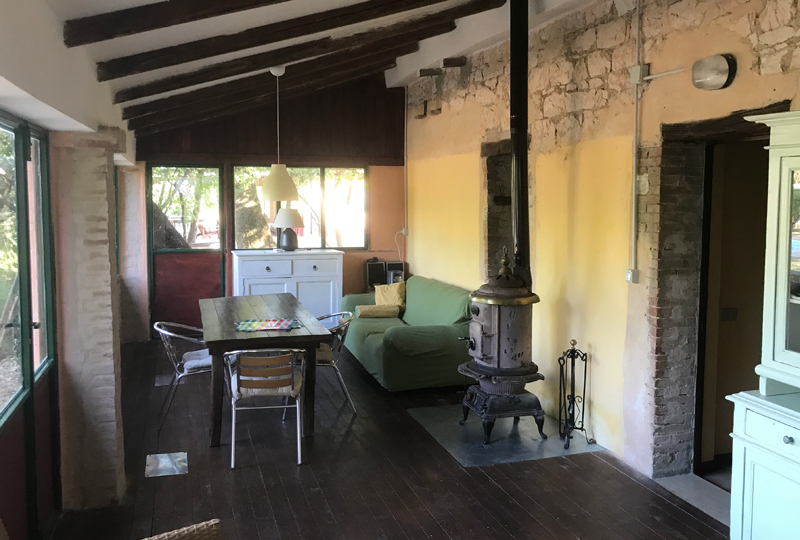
134, 296
498, 211
673, 209
92, 458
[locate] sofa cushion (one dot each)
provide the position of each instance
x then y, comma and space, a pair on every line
391, 295
360, 329
378, 312
430, 302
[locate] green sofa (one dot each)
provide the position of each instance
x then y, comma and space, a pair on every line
419, 350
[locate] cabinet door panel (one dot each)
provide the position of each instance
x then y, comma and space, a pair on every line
317, 295
253, 286
771, 494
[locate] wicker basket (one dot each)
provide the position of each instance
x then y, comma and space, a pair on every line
208, 530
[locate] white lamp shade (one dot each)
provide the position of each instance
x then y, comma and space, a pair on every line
278, 186
288, 218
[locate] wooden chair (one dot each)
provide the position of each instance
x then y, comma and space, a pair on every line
265, 372
190, 363
208, 530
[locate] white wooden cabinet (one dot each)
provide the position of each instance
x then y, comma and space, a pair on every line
765, 485
313, 276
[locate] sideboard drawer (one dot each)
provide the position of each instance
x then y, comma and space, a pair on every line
266, 268
772, 434
311, 267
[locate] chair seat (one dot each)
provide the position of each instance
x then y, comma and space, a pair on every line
194, 361
325, 355
283, 391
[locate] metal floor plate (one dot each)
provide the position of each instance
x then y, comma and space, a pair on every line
166, 464
509, 442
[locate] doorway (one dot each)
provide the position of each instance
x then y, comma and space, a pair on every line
732, 292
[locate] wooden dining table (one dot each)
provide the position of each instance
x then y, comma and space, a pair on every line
220, 316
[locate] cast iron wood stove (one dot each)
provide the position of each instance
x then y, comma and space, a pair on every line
500, 345
500, 331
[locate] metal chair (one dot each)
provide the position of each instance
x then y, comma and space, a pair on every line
265, 372
328, 354
190, 363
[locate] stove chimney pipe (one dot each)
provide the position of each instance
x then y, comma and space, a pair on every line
519, 139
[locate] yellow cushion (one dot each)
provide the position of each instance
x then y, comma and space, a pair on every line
391, 295
374, 312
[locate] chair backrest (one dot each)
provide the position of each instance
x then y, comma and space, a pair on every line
264, 368
169, 331
340, 330
208, 530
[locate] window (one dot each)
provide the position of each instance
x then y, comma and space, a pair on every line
10, 354
185, 208
37, 258
332, 204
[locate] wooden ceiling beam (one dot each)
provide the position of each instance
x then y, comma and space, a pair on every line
255, 37
134, 20
250, 87
293, 53
305, 75
299, 92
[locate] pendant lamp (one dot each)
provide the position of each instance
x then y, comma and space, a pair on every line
278, 186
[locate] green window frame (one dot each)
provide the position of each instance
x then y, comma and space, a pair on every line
24, 132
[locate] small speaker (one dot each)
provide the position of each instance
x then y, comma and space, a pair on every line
375, 273
395, 272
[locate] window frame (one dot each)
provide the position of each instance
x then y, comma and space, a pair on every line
323, 226
24, 133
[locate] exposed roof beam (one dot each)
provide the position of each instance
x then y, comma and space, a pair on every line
301, 91
250, 87
135, 20
301, 51
255, 37
296, 75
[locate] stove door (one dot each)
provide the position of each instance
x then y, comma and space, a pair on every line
484, 343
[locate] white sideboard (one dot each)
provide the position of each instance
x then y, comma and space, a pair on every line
313, 276
765, 484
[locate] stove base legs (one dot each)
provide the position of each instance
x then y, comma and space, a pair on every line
487, 430
466, 413
540, 424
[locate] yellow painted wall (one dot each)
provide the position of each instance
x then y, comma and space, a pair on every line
444, 205
581, 253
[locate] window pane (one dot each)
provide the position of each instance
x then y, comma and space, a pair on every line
309, 188
37, 260
10, 361
185, 208
251, 216
345, 215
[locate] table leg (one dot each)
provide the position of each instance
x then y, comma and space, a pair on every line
309, 390
217, 380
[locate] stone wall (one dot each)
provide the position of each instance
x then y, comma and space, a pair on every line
92, 461
579, 90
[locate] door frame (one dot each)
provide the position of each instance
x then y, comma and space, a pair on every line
24, 133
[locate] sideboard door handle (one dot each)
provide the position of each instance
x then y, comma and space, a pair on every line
788, 440
315, 267
269, 269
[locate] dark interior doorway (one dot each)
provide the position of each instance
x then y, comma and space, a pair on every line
733, 289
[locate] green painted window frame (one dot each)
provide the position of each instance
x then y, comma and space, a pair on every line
149, 217
24, 132
323, 231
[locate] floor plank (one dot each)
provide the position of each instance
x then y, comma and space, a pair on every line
377, 475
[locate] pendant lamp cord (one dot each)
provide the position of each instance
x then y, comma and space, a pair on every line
278, 113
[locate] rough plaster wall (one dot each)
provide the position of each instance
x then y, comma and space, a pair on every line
92, 460
133, 254
579, 89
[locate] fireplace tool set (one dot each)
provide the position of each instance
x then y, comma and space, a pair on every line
571, 406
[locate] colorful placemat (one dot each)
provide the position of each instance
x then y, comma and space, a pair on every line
267, 325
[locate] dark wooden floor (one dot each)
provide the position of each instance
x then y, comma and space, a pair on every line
375, 476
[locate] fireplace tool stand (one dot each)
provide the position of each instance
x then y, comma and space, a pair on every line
570, 406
